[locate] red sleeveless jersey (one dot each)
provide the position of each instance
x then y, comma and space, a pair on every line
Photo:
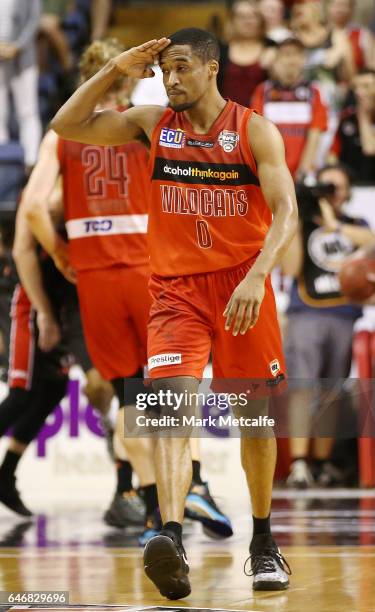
207, 210
105, 203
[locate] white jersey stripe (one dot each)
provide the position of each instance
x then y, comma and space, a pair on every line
288, 112
106, 226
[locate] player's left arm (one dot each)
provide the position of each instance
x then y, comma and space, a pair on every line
243, 308
35, 204
30, 274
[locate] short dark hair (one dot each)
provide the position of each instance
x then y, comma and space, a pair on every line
343, 168
203, 43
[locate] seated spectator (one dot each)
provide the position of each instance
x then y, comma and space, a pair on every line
273, 12
50, 28
320, 320
245, 61
295, 106
18, 73
340, 14
354, 143
329, 61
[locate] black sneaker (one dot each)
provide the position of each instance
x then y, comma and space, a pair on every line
14, 537
10, 497
330, 476
200, 506
126, 509
152, 528
166, 565
267, 565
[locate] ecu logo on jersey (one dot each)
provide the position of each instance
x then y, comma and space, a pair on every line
228, 140
173, 139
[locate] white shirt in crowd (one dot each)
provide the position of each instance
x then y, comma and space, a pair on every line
6, 20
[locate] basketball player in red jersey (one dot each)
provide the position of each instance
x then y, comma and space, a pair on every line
222, 212
105, 212
106, 209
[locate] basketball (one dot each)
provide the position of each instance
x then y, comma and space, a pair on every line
354, 281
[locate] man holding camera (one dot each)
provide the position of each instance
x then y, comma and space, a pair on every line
320, 319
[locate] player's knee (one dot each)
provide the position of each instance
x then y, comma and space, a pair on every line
253, 420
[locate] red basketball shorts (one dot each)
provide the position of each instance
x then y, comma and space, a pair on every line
187, 324
114, 304
22, 341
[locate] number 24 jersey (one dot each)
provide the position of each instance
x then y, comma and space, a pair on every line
106, 191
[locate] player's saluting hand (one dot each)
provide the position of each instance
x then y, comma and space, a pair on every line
136, 61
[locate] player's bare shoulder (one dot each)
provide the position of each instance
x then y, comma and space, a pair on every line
50, 140
265, 139
145, 116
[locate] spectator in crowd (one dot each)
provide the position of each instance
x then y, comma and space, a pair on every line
329, 60
244, 62
100, 18
19, 20
273, 12
340, 14
295, 106
50, 29
354, 143
320, 320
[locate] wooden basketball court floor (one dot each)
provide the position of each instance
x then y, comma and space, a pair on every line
327, 537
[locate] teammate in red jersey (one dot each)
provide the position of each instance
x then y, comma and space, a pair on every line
106, 212
222, 212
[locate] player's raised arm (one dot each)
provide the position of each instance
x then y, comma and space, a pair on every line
78, 120
265, 141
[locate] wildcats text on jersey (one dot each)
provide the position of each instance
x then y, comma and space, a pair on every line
204, 202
